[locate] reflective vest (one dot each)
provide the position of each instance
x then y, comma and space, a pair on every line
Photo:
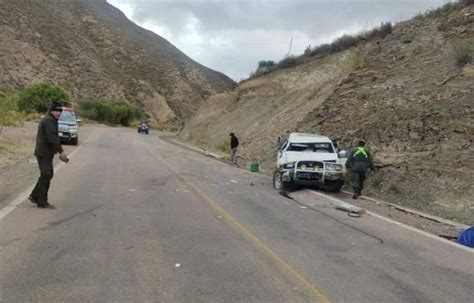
361, 150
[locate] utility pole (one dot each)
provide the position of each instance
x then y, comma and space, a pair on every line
291, 45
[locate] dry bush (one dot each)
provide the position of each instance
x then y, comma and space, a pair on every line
287, 62
355, 60
463, 52
223, 146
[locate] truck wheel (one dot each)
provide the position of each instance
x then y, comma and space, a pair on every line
75, 141
278, 183
333, 186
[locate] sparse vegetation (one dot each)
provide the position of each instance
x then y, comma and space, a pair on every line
355, 60
109, 111
38, 97
287, 62
9, 113
340, 44
224, 146
463, 51
446, 9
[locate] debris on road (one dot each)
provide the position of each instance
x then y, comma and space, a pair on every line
466, 237
352, 210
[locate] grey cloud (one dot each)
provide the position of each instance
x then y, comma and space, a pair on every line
312, 17
316, 19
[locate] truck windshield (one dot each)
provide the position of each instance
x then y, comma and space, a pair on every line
67, 116
311, 147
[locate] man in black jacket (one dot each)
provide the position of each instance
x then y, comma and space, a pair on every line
358, 162
47, 145
234, 143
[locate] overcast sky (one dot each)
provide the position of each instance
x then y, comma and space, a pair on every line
231, 36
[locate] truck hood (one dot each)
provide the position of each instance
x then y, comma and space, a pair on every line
68, 123
301, 156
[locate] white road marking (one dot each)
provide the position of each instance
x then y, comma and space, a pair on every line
419, 231
24, 195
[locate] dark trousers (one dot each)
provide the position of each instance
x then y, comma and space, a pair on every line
40, 192
358, 179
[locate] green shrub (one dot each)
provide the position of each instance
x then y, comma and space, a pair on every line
109, 111
38, 97
9, 113
265, 64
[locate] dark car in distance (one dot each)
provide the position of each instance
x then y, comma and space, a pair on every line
143, 128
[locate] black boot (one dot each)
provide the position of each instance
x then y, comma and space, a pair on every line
356, 194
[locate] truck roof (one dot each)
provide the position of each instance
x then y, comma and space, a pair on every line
307, 138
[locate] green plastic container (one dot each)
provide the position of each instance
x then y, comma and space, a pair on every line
254, 166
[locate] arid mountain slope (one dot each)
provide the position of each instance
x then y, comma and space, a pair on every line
93, 50
410, 101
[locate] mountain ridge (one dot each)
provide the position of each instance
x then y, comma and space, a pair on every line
94, 51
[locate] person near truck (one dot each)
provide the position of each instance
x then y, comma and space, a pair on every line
359, 161
47, 145
234, 143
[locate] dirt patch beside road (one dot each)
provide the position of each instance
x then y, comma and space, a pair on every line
18, 166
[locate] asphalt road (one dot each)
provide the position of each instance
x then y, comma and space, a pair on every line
140, 220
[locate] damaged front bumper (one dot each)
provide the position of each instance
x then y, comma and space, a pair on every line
311, 173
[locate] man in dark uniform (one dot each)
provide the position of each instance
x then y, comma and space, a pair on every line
358, 162
47, 145
234, 143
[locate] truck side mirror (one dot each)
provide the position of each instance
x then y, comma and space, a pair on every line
342, 154
78, 121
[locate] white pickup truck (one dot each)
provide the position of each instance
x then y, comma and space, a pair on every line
309, 160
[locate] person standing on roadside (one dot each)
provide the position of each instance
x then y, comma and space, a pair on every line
234, 143
47, 145
359, 161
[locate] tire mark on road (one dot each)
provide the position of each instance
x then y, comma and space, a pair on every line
59, 222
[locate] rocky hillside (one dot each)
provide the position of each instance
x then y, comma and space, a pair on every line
411, 99
93, 50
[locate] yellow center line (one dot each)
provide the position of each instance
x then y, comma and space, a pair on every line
311, 289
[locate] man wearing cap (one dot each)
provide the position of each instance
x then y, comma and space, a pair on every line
359, 161
47, 145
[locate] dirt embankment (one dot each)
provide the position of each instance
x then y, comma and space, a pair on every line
18, 168
410, 101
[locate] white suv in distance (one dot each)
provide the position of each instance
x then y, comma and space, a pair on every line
68, 126
309, 160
